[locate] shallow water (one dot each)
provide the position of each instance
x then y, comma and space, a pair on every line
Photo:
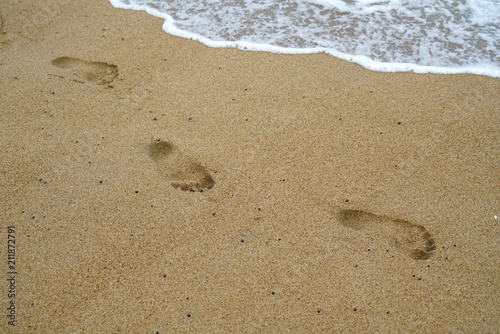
427, 36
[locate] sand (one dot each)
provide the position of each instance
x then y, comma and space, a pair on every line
155, 185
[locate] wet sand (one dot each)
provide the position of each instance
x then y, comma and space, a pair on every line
156, 185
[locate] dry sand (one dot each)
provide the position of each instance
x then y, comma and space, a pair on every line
160, 186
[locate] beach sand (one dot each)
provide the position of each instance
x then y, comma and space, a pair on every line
155, 185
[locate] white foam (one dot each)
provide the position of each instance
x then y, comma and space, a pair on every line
435, 36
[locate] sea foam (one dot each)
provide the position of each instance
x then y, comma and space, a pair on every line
427, 36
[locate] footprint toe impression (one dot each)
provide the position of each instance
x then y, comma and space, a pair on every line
410, 239
92, 71
179, 169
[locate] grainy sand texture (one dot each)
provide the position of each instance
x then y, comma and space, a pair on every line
154, 185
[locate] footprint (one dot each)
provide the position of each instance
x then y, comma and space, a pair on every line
2, 32
179, 169
410, 239
92, 71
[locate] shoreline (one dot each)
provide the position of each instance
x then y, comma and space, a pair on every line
159, 185
366, 62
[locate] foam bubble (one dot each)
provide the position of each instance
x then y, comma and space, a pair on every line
431, 36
